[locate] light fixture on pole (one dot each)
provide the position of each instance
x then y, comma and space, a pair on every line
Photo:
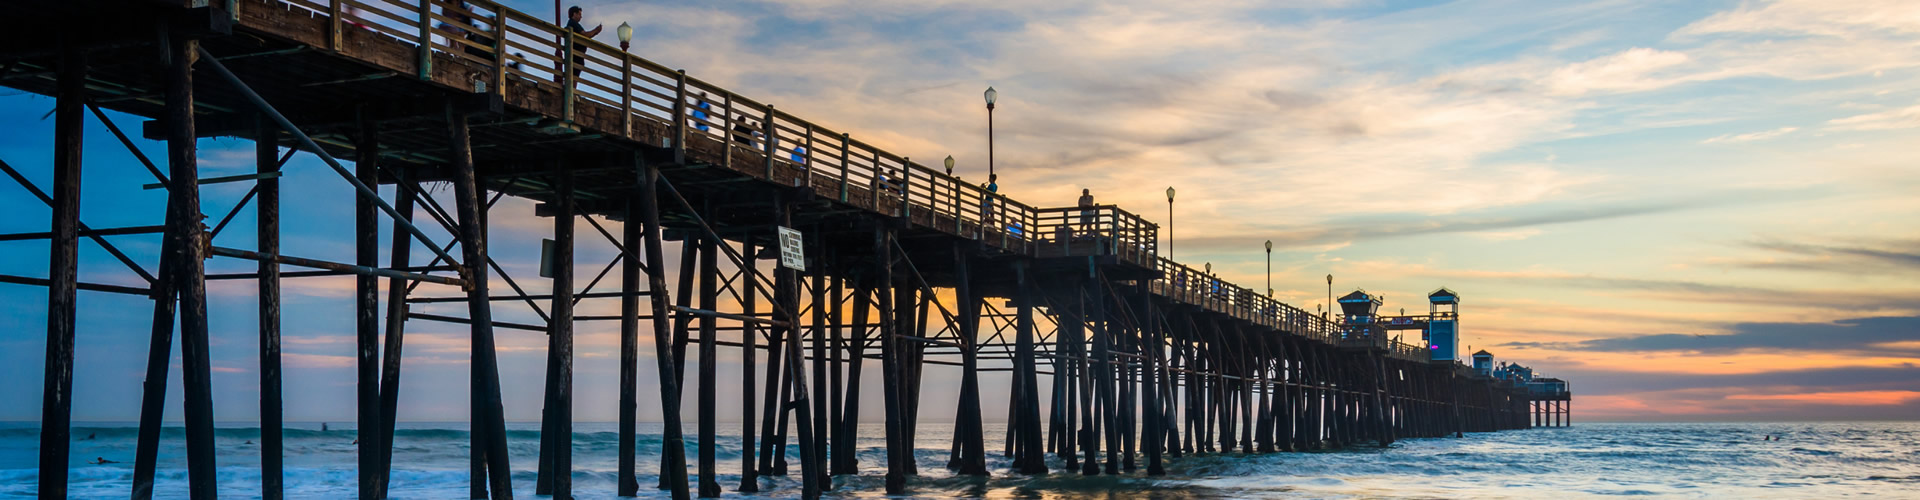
1329, 293
992, 96
949, 165
625, 31
1169, 222
1269, 269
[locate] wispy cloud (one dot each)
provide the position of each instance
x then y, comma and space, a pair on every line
1902, 118
1879, 335
1751, 136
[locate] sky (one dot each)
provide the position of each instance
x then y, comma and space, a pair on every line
1691, 210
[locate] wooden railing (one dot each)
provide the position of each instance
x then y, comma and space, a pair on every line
1192, 286
587, 83
1097, 230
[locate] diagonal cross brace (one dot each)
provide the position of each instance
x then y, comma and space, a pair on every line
287, 125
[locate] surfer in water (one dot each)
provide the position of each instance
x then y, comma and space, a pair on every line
102, 461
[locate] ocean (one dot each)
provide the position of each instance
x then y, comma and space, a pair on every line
1662, 460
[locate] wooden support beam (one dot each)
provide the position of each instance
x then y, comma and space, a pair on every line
749, 471
709, 276
267, 239
491, 472
334, 266
673, 472
562, 337
630, 234
56, 408
184, 200
972, 442
366, 292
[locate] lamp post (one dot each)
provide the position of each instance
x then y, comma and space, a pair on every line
1269, 269
1329, 294
992, 96
1169, 222
953, 188
625, 31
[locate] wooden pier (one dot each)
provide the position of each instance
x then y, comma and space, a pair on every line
1144, 358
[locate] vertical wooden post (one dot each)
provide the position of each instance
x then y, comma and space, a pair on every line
709, 355
821, 302
558, 433
1103, 378
630, 237
399, 255
673, 470
973, 452
896, 479
811, 471
1026, 373
774, 390
489, 425
190, 272
844, 461
749, 336
836, 326
267, 230
56, 408
366, 293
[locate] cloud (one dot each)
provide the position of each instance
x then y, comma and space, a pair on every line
1875, 335
1856, 258
1852, 398
1885, 120
1750, 137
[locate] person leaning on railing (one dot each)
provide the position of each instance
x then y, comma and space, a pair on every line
574, 14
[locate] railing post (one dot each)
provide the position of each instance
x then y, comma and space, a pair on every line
626, 95
769, 146
726, 132
499, 51
846, 140
333, 25
807, 165
426, 40
568, 75
906, 184
680, 118
874, 188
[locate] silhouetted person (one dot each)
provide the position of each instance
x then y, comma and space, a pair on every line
986, 201
323, 427
573, 24
1086, 210
102, 461
742, 131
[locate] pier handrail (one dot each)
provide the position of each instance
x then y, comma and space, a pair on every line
756, 138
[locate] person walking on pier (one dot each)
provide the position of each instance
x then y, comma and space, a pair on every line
574, 14
700, 108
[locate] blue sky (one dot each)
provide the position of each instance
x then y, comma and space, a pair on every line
1590, 176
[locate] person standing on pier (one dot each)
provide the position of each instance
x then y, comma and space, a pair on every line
1086, 210
986, 201
574, 14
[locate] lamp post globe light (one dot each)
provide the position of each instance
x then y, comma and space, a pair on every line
1169, 222
625, 32
992, 95
1269, 269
